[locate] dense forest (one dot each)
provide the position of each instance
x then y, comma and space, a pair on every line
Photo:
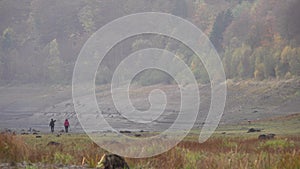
40, 40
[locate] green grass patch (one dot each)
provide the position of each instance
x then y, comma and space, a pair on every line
278, 144
229, 147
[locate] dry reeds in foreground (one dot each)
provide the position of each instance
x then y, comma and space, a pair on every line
216, 153
12, 148
228, 153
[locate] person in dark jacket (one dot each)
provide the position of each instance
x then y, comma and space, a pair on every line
52, 124
66, 124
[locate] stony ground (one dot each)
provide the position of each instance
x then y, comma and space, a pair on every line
25, 107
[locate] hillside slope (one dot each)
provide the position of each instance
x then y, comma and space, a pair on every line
25, 107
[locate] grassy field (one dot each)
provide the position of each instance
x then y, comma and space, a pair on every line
230, 147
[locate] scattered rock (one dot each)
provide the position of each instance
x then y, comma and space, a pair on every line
4, 165
266, 136
13, 164
36, 131
262, 137
53, 143
271, 136
252, 130
7, 131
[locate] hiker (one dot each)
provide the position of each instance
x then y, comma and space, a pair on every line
52, 125
66, 124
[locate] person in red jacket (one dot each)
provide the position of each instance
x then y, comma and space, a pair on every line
66, 124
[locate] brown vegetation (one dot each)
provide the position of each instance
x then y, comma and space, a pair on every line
13, 148
217, 152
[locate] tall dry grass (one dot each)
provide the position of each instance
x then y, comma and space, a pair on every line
13, 148
228, 153
216, 153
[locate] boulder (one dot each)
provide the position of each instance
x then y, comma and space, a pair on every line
53, 143
252, 130
262, 137
112, 161
137, 135
266, 136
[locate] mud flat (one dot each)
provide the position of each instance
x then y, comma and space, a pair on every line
24, 107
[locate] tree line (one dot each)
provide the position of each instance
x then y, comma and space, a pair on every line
40, 40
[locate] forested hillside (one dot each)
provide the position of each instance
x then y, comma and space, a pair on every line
40, 39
